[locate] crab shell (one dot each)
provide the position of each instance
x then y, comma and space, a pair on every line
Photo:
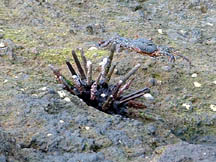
144, 46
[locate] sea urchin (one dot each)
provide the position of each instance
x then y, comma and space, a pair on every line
99, 93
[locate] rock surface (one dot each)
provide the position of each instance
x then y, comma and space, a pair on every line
36, 123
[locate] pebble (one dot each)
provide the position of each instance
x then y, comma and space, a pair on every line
148, 96
1, 36
92, 48
87, 128
103, 95
5, 81
61, 121
61, 94
213, 107
2, 45
196, 84
214, 82
194, 75
152, 81
49, 134
187, 106
67, 99
34, 95
160, 31
43, 89
209, 24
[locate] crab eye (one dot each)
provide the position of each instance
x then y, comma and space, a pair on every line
101, 42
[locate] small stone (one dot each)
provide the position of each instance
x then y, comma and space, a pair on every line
151, 129
61, 94
194, 75
187, 106
103, 95
67, 99
209, 24
104, 62
166, 68
43, 89
87, 128
61, 121
214, 82
2, 45
160, 31
1, 35
5, 81
34, 95
49, 134
196, 84
148, 96
152, 81
90, 29
92, 48
213, 107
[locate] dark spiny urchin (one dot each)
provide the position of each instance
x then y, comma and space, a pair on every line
98, 93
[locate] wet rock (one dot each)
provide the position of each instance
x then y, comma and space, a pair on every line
192, 36
8, 147
185, 152
2, 158
207, 140
87, 157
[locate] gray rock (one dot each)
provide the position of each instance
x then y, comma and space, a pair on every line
3, 158
88, 157
1, 35
185, 152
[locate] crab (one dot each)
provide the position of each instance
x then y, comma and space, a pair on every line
142, 46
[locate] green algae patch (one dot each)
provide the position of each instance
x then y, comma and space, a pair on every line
19, 36
58, 56
91, 54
